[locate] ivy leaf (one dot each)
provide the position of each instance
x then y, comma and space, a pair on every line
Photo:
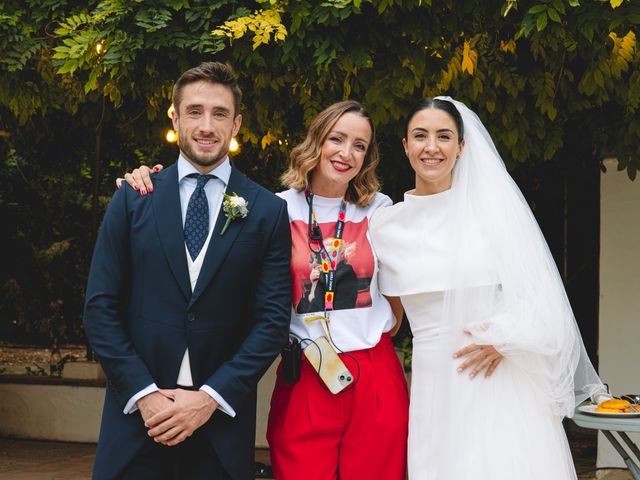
506, 8
632, 171
537, 9
559, 6
69, 66
599, 78
541, 22
553, 15
469, 58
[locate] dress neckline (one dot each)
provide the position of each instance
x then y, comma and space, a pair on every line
435, 199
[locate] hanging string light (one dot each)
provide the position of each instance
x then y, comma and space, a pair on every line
234, 146
171, 136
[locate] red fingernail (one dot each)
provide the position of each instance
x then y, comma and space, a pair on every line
150, 189
135, 187
155, 169
143, 192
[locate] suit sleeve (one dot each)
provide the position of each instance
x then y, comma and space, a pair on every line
105, 303
272, 313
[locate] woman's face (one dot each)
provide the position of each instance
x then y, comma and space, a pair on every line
342, 155
432, 147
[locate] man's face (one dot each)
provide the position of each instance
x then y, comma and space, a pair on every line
205, 121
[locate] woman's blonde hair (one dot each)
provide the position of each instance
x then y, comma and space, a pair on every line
305, 157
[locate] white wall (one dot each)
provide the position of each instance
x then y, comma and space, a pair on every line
619, 341
70, 413
50, 412
265, 388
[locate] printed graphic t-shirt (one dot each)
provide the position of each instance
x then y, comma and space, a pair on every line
361, 314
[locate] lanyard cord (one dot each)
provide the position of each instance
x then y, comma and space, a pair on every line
328, 258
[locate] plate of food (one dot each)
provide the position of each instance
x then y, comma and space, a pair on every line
612, 408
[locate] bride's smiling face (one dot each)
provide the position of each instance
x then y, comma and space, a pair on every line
433, 148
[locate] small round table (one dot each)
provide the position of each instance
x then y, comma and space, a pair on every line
608, 425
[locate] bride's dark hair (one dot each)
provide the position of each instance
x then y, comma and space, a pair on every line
443, 105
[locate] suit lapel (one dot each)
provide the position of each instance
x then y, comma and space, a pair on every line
219, 245
168, 215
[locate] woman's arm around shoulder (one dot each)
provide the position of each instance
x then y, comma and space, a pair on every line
140, 178
398, 313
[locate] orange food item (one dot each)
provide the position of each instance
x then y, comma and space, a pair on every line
615, 404
609, 410
630, 409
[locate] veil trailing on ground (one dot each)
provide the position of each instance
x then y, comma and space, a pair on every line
526, 315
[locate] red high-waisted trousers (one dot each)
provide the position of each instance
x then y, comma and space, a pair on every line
358, 434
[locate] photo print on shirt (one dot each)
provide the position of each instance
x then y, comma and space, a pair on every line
355, 268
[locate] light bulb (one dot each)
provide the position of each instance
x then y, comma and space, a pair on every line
171, 136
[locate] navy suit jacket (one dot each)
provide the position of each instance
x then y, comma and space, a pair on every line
140, 313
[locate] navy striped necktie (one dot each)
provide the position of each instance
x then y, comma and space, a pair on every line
196, 222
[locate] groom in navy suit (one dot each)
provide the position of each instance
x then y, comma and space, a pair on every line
188, 301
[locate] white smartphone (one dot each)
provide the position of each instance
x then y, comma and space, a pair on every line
333, 372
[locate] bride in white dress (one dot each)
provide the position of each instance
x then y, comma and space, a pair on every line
465, 256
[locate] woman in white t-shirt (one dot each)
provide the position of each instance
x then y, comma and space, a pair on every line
361, 431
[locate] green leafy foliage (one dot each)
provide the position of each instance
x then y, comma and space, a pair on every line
556, 62
85, 87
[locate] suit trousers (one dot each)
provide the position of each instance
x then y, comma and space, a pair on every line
356, 434
193, 459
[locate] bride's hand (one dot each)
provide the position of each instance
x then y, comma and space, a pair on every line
140, 178
483, 357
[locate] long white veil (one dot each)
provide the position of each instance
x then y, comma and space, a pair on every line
529, 317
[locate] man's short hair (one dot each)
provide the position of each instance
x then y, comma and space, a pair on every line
213, 72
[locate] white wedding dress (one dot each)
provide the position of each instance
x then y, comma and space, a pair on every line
496, 428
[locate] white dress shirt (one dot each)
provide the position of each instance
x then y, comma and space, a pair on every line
214, 189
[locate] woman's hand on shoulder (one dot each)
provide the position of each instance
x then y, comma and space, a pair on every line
480, 357
140, 178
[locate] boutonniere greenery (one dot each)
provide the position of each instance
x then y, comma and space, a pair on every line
235, 208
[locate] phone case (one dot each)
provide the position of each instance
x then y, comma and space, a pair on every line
335, 375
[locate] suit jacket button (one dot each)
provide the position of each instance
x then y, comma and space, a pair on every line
190, 317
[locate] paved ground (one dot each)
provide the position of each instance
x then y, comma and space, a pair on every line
30, 460
35, 460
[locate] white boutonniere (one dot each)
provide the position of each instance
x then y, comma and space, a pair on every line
235, 208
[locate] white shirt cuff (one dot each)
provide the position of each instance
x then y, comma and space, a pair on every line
222, 405
131, 406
